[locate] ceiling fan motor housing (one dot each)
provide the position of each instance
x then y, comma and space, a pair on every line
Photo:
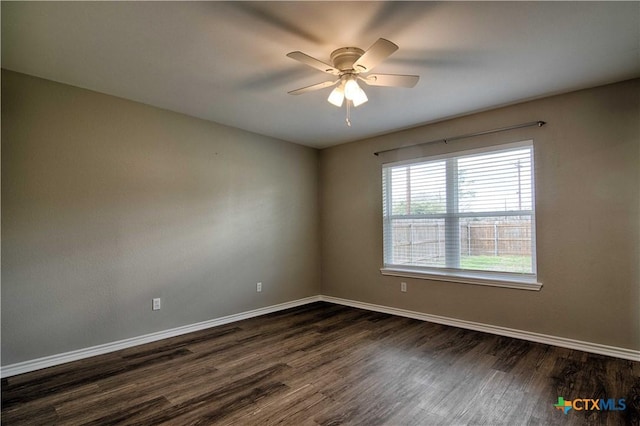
344, 58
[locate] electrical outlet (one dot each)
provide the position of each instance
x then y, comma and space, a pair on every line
156, 304
403, 287
259, 287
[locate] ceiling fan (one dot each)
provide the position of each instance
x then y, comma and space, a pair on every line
351, 64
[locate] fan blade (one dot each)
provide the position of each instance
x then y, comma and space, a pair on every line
313, 62
378, 52
313, 87
391, 80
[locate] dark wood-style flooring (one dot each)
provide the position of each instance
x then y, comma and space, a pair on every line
326, 364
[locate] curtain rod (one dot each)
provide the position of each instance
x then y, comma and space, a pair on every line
469, 135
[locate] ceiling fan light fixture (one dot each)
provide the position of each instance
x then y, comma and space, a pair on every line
351, 88
336, 97
353, 92
360, 97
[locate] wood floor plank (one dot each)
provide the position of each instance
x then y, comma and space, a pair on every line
326, 364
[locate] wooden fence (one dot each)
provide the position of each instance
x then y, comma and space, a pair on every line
413, 242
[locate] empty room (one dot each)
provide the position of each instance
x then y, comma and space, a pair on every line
320, 213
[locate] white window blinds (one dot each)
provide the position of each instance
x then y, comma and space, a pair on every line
468, 211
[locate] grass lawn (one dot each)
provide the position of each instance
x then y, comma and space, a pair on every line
519, 264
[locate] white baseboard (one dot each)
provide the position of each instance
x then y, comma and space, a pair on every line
53, 360
50, 361
596, 348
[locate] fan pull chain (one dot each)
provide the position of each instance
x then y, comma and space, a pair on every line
348, 119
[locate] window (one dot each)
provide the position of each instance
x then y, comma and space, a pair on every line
467, 216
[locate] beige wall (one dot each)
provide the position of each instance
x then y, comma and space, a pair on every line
587, 165
108, 203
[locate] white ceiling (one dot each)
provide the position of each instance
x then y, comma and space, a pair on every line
225, 61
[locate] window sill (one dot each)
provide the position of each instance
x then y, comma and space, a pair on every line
520, 283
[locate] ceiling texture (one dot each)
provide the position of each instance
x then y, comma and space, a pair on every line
226, 61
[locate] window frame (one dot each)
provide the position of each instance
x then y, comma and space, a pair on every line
524, 281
